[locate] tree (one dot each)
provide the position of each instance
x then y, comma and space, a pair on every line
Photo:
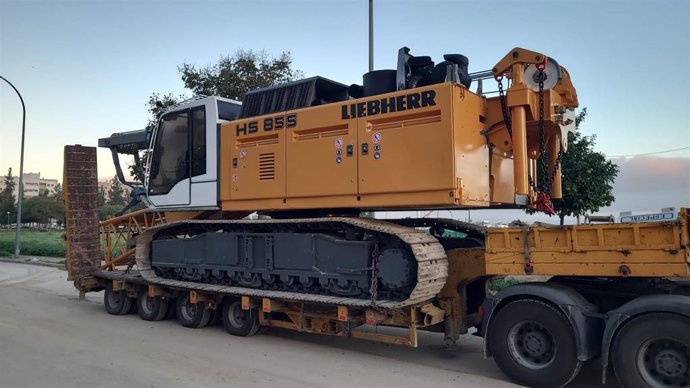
57, 191
158, 104
116, 193
235, 75
587, 176
108, 211
7, 198
42, 209
8, 191
101, 196
231, 77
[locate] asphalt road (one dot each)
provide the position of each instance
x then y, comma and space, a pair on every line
50, 338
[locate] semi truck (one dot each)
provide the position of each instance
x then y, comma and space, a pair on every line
258, 214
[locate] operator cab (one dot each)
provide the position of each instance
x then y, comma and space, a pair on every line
182, 167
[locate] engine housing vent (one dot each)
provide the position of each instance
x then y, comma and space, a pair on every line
267, 166
293, 95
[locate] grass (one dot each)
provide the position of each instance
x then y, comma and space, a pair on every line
33, 242
500, 282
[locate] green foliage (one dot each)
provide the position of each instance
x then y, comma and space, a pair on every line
57, 192
7, 199
158, 104
101, 196
231, 77
498, 283
587, 176
116, 193
108, 211
235, 75
42, 210
33, 243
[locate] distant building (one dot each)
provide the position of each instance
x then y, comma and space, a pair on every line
34, 185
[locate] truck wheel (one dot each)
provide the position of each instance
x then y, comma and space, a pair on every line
243, 323
194, 315
116, 302
653, 351
151, 309
533, 344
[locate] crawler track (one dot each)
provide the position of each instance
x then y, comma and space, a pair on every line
432, 263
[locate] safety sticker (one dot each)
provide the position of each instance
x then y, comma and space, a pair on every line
243, 154
376, 137
339, 142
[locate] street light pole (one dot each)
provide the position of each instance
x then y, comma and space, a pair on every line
20, 191
371, 35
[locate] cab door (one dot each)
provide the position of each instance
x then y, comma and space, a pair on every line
168, 182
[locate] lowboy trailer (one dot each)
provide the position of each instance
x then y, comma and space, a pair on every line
309, 156
592, 291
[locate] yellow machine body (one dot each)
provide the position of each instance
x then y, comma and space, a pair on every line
440, 146
430, 153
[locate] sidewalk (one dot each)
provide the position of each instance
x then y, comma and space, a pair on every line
57, 262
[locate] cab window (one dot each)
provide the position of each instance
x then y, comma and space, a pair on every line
198, 141
169, 163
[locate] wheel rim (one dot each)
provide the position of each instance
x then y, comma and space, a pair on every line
115, 298
664, 362
236, 316
188, 310
147, 305
531, 345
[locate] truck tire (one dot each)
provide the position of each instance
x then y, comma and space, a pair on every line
243, 323
192, 315
653, 351
151, 309
116, 302
533, 343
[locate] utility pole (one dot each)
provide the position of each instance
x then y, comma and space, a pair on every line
20, 191
371, 35
371, 67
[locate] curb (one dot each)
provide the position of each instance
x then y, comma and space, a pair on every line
39, 263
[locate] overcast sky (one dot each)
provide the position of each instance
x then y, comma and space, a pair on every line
87, 68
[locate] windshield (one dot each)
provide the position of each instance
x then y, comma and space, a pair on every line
169, 162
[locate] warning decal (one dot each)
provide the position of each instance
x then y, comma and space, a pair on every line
376, 137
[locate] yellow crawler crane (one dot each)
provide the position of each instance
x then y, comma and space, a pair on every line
307, 157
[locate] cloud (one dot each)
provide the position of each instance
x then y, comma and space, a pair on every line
648, 183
